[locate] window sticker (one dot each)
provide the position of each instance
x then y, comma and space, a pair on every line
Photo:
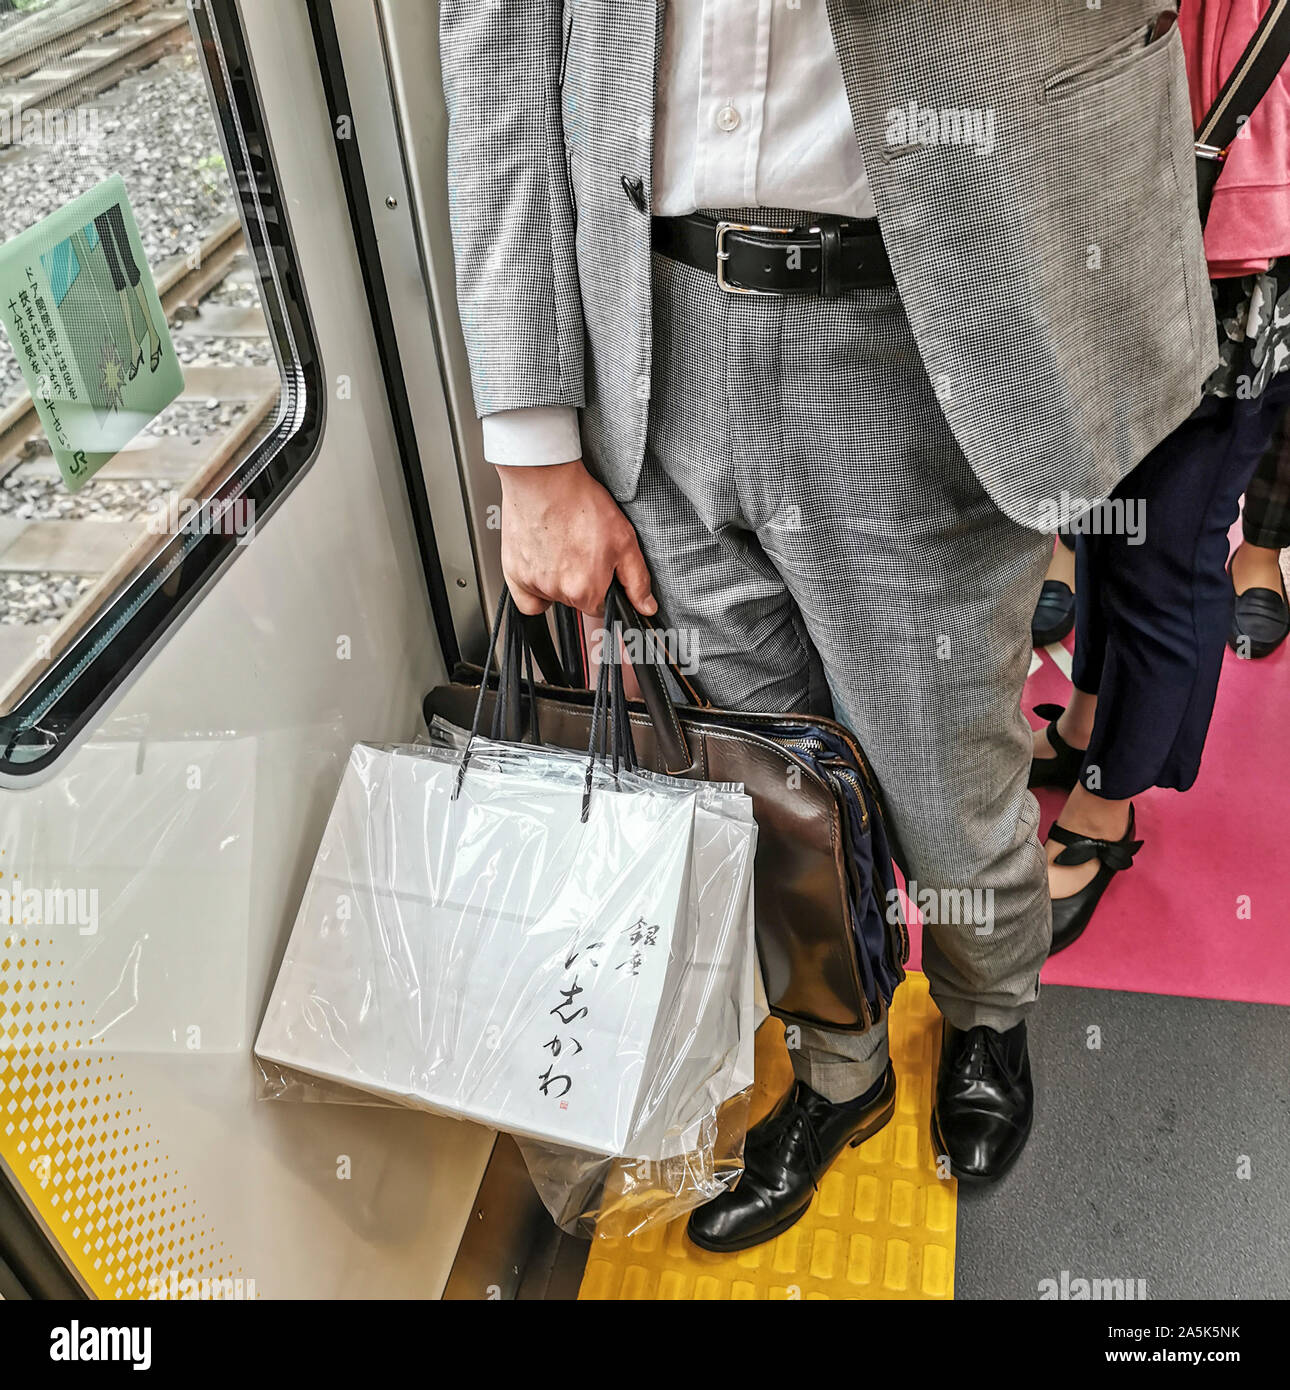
79, 304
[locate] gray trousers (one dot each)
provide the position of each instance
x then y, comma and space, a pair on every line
813, 529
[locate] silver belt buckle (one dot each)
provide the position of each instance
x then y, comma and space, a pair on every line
723, 255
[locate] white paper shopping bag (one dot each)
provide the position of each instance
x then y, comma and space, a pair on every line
490, 956
687, 1142
702, 1052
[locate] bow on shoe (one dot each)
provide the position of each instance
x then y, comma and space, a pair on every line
1115, 854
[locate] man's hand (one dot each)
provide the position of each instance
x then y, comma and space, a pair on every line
563, 540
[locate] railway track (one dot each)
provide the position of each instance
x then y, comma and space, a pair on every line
65, 558
47, 35
101, 553
59, 71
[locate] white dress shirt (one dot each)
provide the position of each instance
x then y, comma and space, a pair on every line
751, 111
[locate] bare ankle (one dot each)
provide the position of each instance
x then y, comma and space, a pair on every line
1090, 814
1255, 567
1074, 731
1076, 722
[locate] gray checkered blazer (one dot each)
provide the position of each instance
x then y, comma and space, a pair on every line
1056, 287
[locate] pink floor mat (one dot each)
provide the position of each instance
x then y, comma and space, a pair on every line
1205, 910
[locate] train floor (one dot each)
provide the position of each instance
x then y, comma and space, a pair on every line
1159, 1163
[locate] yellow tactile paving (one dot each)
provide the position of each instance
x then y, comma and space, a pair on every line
881, 1226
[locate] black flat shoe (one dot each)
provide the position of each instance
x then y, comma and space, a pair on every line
1071, 915
785, 1156
1062, 770
1054, 613
985, 1100
1260, 622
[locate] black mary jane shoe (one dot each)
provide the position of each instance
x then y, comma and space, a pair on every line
985, 1100
785, 1156
1071, 915
1054, 614
1062, 770
1260, 622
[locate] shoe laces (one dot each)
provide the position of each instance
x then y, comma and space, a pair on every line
985, 1054
796, 1119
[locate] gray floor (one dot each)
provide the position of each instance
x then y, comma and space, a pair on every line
1134, 1169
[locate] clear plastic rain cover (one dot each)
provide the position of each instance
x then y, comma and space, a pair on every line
473, 947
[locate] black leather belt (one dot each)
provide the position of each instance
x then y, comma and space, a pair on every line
828, 258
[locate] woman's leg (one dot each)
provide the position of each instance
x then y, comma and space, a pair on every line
1165, 600
1062, 566
1076, 723
1255, 567
147, 319
106, 228
1085, 812
127, 312
125, 272
1164, 631
1265, 518
1055, 610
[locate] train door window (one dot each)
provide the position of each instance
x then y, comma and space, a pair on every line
130, 131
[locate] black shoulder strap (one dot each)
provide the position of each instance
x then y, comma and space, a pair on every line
1246, 86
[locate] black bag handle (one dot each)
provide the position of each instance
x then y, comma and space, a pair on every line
609, 725
611, 731
538, 636
1247, 84
674, 747
498, 619
556, 670
523, 650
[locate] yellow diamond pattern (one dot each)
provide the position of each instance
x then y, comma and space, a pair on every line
77, 1139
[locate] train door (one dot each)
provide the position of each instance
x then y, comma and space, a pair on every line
192, 638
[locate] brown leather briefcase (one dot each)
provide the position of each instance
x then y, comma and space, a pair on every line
830, 933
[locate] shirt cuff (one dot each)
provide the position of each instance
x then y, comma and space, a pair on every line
537, 434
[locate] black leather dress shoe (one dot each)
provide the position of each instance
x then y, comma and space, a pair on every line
1260, 622
1063, 769
785, 1156
1054, 613
984, 1100
1071, 915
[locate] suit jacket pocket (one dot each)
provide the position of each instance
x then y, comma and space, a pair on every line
1124, 208
1087, 29
1131, 59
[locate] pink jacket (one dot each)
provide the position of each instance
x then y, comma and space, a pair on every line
1249, 222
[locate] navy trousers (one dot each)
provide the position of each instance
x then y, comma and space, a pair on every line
1152, 619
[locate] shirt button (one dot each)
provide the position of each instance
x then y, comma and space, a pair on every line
727, 118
